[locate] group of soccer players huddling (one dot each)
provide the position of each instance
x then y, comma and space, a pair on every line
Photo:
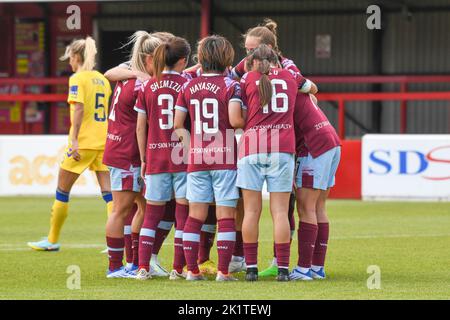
192, 147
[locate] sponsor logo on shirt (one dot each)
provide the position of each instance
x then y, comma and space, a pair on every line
73, 91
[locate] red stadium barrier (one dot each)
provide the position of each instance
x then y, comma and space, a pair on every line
19, 85
341, 98
349, 174
403, 81
403, 96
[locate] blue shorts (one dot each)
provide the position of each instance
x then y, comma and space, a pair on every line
318, 173
161, 186
125, 180
277, 169
213, 186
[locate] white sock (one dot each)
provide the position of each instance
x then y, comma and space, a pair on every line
302, 270
237, 258
316, 268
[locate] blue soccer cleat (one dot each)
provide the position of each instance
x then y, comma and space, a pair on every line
296, 274
318, 274
119, 273
44, 245
131, 268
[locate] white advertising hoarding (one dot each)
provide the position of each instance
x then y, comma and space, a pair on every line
406, 167
29, 166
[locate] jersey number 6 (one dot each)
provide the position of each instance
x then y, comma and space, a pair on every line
277, 95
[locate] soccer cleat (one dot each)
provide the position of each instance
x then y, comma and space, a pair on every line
156, 269
225, 277
143, 274
271, 271
44, 245
131, 268
283, 274
296, 274
208, 267
237, 264
318, 274
119, 273
194, 277
174, 275
252, 274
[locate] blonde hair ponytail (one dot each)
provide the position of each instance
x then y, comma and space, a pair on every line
143, 44
90, 51
86, 49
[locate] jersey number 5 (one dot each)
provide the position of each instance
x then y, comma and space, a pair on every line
100, 113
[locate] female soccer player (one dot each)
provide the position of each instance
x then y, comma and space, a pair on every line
318, 151
89, 93
164, 175
124, 72
122, 157
267, 34
211, 100
266, 153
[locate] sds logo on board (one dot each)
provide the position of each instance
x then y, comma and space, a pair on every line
433, 164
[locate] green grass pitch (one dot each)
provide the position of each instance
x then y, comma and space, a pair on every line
409, 242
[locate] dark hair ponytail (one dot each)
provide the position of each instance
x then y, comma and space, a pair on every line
169, 53
264, 56
265, 87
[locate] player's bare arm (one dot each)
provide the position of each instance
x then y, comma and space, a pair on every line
235, 114
178, 125
122, 73
141, 134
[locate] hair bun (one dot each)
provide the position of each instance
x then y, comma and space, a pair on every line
271, 25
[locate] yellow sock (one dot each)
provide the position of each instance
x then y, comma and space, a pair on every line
109, 208
59, 215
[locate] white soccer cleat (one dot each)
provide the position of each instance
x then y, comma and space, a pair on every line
237, 264
174, 275
194, 277
143, 274
222, 277
156, 269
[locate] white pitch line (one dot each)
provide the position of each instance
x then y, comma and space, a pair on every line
20, 247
